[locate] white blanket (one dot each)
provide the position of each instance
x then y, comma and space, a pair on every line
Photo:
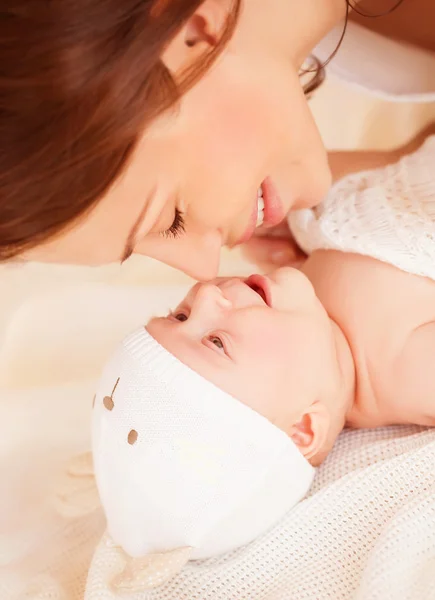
366, 532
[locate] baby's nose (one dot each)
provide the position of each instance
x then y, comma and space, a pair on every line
228, 285
236, 290
210, 297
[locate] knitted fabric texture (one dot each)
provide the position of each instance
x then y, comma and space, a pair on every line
388, 214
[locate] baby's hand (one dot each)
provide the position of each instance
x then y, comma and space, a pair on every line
274, 247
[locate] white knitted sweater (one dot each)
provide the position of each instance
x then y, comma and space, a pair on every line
367, 529
388, 214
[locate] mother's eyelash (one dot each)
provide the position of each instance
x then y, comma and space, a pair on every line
178, 226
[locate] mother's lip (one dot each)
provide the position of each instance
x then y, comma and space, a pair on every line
274, 211
261, 285
249, 232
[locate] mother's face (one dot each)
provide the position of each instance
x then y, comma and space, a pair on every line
193, 181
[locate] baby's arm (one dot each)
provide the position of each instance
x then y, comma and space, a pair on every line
343, 163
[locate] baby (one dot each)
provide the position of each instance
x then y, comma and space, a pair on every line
347, 340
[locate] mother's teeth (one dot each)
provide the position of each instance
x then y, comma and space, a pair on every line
260, 213
260, 192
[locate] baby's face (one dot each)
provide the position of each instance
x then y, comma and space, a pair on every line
267, 341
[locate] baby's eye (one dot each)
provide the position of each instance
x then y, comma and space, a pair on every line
181, 317
217, 342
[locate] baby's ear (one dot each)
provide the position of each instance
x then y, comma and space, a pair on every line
311, 431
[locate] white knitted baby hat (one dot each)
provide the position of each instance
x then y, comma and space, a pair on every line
179, 463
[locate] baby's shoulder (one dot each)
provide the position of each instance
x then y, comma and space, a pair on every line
413, 374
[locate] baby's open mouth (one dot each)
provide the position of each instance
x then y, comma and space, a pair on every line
260, 285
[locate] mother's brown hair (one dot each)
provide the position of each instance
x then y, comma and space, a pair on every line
79, 82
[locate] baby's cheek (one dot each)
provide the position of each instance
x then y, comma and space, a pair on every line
261, 363
267, 339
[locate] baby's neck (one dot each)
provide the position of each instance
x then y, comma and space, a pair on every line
346, 365
357, 409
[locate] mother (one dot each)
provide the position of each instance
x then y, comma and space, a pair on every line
149, 126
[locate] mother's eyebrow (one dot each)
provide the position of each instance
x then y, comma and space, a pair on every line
131, 238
